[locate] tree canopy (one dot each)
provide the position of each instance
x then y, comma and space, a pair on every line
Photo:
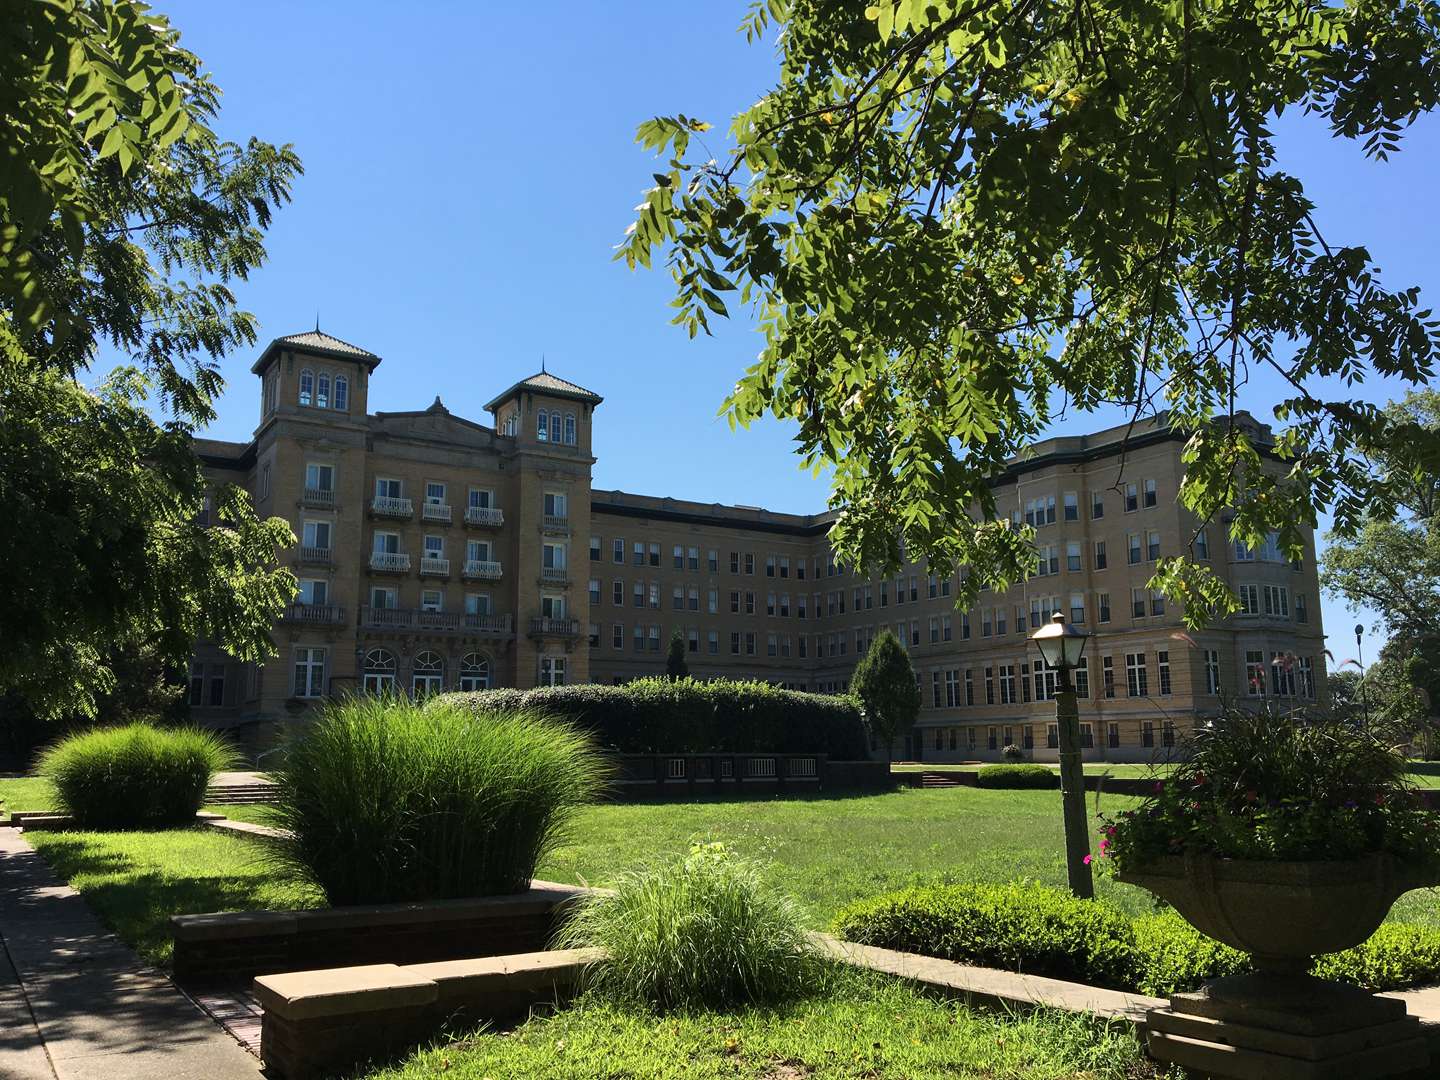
123, 220
955, 220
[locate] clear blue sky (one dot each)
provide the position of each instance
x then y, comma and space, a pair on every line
468, 168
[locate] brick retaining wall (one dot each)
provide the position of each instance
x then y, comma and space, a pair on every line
241, 945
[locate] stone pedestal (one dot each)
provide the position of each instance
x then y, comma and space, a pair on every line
1287, 1027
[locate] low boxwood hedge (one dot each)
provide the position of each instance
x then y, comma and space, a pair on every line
1044, 931
1019, 927
1017, 776
656, 715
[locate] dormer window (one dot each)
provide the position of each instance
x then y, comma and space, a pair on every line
342, 393
307, 387
322, 391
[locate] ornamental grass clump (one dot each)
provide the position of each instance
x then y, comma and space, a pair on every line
1279, 786
134, 777
701, 932
389, 802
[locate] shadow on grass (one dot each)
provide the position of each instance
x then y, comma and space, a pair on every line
742, 796
135, 898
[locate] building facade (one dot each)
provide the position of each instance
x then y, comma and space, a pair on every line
439, 553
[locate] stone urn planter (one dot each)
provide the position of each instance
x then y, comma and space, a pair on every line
1280, 1021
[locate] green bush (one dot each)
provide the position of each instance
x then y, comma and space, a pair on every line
1171, 956
680, 716
1019, 927
1045, 931
701, 932
1397, 956
1017, 776
390, 802
134, 777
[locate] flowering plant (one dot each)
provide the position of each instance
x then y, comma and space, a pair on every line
1278, 786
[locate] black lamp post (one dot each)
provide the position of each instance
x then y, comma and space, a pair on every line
1062, 647
1360, 656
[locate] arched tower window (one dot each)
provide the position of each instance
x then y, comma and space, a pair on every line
322, 391
474, 672
307, 387
427, 675
342, 393
569, 429
379, 674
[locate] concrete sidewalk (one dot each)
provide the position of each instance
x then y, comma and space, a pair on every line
76, 1004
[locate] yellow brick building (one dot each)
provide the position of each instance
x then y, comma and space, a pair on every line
437, 552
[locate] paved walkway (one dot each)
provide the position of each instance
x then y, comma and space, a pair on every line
76, 1004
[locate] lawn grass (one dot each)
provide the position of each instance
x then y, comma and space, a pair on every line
825, 852
859, 1028
134, 881
26, 793
829, 850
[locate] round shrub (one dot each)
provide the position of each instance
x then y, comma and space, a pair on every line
389, 802
134, 777
1017, 776
1396, 956
1020, 926
700, 932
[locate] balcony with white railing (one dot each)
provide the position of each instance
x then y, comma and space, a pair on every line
554, 575
489, 517
388, 506
315, 614
563, 628
453, 622
311, 555
318, 498
390, 562
430, 566
439, 512
481, 570
557, 524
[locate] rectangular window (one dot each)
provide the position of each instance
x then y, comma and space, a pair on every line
1112, 735
1132, 499
713, 560
639, 637
1133, 540
969, 687
735, 643
1102, 602
434, 493
1107, 675
594, 549
1152, 546
1137, 603
1147, 733
1136, 680
692, 558
677, 556
712, 642
1077, 607
617, 636
1072, 506
1087, 736
617, 593
637, 553
617, 551
750, 563
946, 629
1212, 671
1097, 505
1167, 733
1072, 555
1254, 673
677, 598
654, 638
655, 555
1150, 494
1162, 668
749, 643
309, 679
734, 562
639, 594
769, 565
654, 596
595, 590
1249, 595
320, 477
1157, 602
1202, 545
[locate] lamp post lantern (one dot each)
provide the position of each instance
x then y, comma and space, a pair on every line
1062, 647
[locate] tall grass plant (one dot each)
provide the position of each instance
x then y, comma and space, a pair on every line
389, 802
134, 777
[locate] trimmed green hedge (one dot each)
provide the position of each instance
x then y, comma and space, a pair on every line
1044, 931
655, 716
1018, 927
1017, 776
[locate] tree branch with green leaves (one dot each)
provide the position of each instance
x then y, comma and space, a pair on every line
951, 218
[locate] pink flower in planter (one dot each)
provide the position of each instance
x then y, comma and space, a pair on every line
1087, 860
